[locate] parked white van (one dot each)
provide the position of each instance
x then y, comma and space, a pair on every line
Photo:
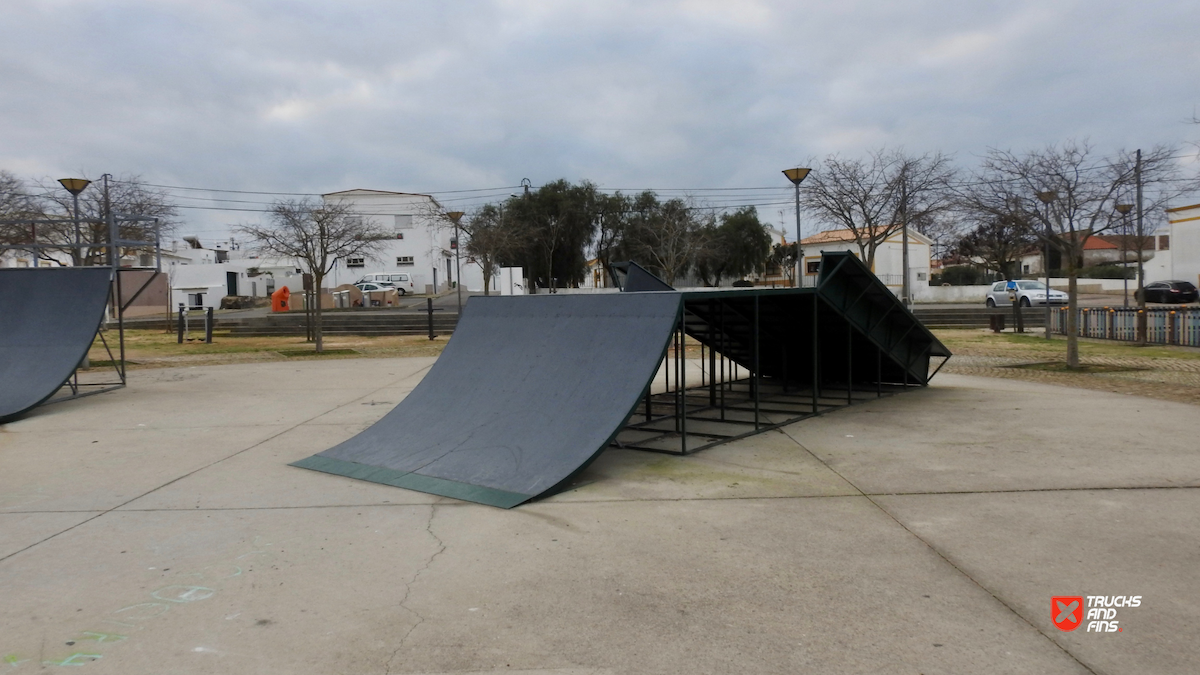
401, 281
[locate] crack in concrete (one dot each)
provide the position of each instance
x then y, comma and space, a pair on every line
441, 548
945, 557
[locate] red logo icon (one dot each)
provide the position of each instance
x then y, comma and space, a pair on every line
1067, 611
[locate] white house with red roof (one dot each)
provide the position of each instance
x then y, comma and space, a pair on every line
889, 258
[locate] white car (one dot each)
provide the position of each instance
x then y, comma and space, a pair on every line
1029, 293
402, 282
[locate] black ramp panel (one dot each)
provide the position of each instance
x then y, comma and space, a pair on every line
529, 390
48, 318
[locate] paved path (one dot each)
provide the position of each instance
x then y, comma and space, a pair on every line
159, 529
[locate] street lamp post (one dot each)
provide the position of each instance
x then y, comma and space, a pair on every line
455, 216
797, 177
75, 186
1047, 198
1124, 210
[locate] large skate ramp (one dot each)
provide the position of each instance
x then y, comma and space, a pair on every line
527, 393
48, 318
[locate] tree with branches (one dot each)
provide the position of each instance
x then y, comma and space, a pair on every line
490, 240
1078, 190
316, 234
880, 196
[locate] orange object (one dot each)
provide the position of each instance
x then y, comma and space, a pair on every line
280, 299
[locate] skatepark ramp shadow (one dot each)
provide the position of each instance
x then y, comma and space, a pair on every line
531, 389
48, 318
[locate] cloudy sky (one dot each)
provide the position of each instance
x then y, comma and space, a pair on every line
435, 97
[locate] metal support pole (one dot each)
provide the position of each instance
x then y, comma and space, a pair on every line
208, 325
675, 339
712, 360
816, 359
757, 381
724, 384
878, 373
849, 364
683, 381
179, 324
429, 311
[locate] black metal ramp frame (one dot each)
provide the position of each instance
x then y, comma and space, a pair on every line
531, 389
48, 319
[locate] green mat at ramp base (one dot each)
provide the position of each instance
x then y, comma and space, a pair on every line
413, 481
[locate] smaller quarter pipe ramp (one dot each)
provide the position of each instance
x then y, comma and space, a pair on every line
48, 318
527, 393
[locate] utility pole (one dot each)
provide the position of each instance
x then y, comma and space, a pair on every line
1141, 293
904, 290
1047, 198
456, 216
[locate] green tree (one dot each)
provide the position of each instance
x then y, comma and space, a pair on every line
554, 226
738, 246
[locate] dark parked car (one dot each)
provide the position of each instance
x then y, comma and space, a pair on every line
1174, 292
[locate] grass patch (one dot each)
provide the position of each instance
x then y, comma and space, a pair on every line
981, 342
314, 352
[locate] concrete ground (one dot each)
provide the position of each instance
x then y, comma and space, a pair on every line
159, 529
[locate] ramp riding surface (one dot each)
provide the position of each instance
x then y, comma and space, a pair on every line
527, 393
48, 318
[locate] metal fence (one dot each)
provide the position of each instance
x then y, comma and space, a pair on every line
1163, 326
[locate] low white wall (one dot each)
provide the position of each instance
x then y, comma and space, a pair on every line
951, 293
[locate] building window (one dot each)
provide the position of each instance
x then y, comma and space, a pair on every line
403, 222
812, 267
404, 260
356, 262
1164, 242
1025, 269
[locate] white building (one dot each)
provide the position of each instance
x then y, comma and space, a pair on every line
421, 245
889, 258
1178, 251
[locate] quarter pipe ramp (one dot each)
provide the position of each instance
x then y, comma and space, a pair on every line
526, 394
48, 318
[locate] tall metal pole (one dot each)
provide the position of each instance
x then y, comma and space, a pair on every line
455, 217
1047, 198
799, 248
457, 269
1141, 271
78, 257
797, 177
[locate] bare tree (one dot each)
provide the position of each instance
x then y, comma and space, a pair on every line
878, 197
1000, 221
490, 240
126, 196
16, 204
1080, 189
316, 234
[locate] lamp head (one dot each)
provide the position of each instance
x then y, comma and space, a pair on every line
454, 216
1123, 209
74, 185
796, 175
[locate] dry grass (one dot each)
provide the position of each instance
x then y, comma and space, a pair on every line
1167, 373
156, 349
